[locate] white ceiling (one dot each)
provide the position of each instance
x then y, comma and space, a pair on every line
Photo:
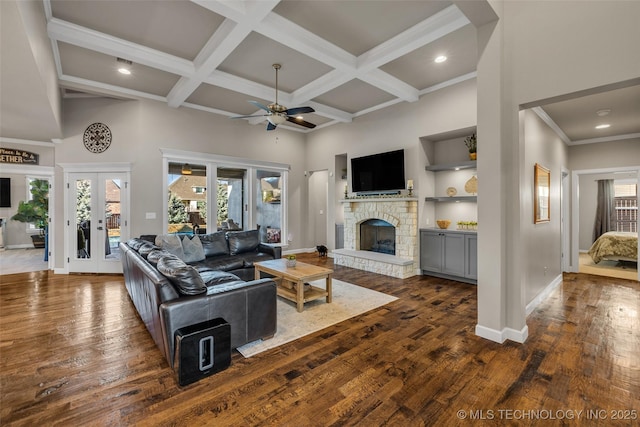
343, 58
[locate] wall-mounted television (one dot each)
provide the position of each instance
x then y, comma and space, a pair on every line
378, 173
5, 192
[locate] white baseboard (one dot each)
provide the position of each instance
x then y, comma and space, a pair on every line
22, 246
503, 335
544, 294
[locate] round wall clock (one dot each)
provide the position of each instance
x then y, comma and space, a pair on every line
97, 138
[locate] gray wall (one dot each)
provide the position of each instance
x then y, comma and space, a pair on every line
141, 128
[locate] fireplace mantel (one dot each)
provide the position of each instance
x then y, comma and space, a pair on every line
378, 199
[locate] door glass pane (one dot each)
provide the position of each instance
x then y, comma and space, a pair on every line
231, 199
268, 206
187, 198
112, 218
83, 218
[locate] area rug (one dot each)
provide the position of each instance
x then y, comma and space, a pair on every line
348, 301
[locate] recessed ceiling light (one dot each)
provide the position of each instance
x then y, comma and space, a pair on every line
603, 126
440, 59
603, 112
124, 66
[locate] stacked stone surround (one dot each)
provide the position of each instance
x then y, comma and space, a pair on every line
402, 213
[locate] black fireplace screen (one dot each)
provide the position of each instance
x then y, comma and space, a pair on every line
377, 235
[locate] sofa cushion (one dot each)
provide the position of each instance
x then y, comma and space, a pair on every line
184, 277
171, 243
154, 256
213, 277
250, 258
192, 248
214, 244
135, 243
225, 287
222, 263
146, 248
242, 241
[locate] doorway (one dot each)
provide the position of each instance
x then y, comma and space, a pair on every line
98, 219
318, 202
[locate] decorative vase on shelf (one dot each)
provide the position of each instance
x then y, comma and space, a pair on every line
472, 156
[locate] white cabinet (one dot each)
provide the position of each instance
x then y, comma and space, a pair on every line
449, 254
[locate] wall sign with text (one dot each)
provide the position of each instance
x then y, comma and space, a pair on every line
18, 157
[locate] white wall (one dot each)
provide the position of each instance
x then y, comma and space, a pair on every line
141, 128
400, 126
543, 261
536, 51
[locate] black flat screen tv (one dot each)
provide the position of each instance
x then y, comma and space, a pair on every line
378, 173
5, 192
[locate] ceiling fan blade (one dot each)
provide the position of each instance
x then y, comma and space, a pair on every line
299, 110
259, 105
301, 122
270, 126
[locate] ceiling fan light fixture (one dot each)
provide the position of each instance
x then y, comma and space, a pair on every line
276, 119
186, 169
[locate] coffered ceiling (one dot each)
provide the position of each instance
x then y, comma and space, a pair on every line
344, 58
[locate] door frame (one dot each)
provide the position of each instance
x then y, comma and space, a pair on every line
70, 168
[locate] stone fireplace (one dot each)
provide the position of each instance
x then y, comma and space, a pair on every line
381, 236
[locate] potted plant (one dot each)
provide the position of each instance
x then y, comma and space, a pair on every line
291, 260
471, 143
36, 210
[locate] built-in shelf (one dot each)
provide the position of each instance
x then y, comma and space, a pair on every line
470, 164
452, 199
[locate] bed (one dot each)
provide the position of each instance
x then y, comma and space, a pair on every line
616, 246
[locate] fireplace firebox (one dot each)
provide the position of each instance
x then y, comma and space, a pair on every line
377, 235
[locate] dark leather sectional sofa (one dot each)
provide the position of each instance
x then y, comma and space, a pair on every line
170, 294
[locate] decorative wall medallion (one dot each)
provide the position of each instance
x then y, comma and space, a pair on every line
451, 191
97, 138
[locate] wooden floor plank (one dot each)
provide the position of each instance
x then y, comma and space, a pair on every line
74, 352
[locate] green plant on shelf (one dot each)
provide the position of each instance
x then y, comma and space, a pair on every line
467, 225
471, 142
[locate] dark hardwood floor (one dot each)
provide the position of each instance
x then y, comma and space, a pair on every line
73, 352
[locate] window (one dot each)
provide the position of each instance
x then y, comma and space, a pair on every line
247, 194
626, 202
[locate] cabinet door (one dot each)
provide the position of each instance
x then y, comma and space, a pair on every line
453, 254
430, 251
471, 258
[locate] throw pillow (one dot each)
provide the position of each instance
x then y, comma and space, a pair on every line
215, 244
243, 241
171, 243
184, 277
193, 250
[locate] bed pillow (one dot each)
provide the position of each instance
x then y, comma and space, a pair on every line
192, 248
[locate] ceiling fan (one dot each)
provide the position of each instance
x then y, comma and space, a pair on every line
278, 114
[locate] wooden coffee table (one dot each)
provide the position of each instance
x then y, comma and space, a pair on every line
291, 280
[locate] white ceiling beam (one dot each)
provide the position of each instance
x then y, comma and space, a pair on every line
89, 39
226, 38
321, 85
278, 28
330, 112
235, 9
79, 83
392, 85
442, 23
247, 87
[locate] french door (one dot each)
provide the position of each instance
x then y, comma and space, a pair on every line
98, 219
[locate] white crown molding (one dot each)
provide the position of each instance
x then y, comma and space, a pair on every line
606, 139
549, 121
4, 140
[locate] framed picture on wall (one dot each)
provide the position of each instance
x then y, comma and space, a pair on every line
541, 187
